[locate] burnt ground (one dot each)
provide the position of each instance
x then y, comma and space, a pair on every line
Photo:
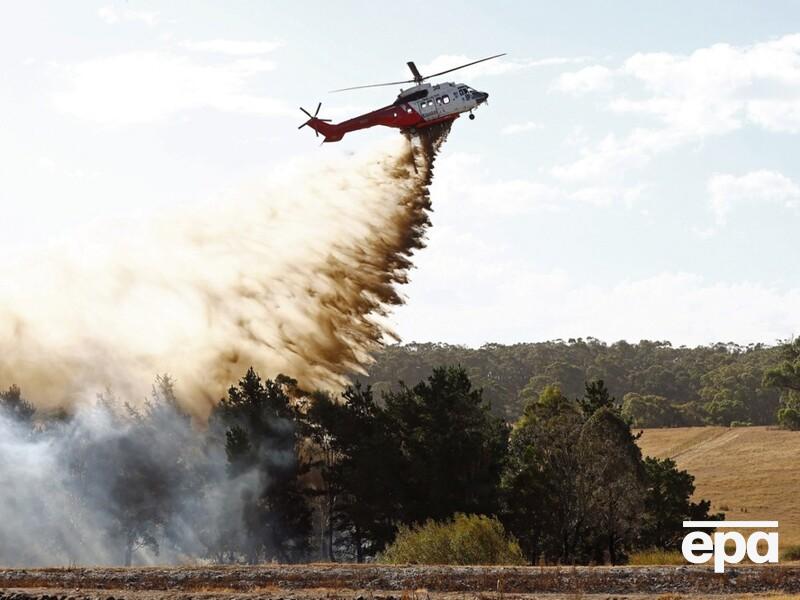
382, 582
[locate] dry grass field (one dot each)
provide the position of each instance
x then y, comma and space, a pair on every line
747, 472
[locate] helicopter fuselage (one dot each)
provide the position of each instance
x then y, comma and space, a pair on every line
415, 108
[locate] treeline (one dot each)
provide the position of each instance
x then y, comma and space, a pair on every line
657, 385
284, 474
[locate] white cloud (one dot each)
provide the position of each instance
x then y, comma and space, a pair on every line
612, 156
512, 300
711, 92
233, 47
520, 127
754, 187
555, 60
588, 79
113, 16
140, 87
775, 115
462, 180
607, 195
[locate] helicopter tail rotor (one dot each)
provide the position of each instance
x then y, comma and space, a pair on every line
332, 132
312, 119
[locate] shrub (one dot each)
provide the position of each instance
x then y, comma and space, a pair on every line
789, 418
657, 556
466, 540
791, 553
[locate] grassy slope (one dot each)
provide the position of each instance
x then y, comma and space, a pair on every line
754, 472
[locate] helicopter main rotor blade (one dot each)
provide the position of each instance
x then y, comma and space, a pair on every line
414, 71
361, 87
418, 78
475, 62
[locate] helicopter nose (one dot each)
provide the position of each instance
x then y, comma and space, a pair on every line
482, 97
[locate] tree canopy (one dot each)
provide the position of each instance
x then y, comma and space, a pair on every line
671, 386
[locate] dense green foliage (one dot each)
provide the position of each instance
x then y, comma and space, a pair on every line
453, 446
576, 489
464, 540
668, 502
569, 482
659, 385
786, 377
420, 453
358, 454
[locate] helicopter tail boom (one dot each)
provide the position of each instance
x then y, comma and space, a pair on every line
402, 117
331, 132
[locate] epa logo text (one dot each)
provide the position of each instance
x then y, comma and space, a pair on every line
699, 547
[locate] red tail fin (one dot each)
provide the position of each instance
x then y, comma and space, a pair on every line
332, 133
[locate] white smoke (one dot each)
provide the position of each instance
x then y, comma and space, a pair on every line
90, 489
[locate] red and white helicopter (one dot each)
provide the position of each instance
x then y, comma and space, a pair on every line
415, 108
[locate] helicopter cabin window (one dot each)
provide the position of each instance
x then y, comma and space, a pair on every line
438, 100
418, 95
445, 99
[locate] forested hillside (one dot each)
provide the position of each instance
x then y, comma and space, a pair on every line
658, 385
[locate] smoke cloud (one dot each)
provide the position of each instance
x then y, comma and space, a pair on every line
294, 277
112, 485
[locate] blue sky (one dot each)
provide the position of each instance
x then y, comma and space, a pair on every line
634, 175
